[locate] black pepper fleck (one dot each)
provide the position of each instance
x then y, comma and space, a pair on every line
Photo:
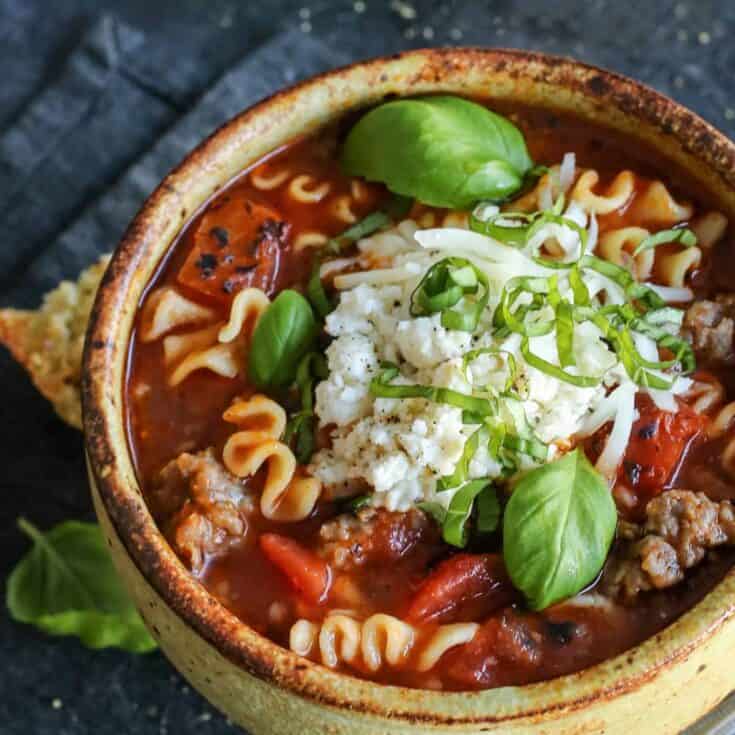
648, 431
221, 235
562, 632
207, 264
632, 471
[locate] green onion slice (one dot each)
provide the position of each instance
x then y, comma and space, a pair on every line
444, 285
510, 363
301, 427
578, 286
564, 324
510, 228
682, 235
517, 228
565, 334
514, 319
581, 381
552, 218
666, 315
524, 440
633, 290
619, 337
461, 469
396, 208
380, 386
316, 293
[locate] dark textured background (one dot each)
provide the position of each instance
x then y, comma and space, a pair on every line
98, 99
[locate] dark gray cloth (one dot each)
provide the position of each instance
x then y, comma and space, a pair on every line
94, 110
102, 223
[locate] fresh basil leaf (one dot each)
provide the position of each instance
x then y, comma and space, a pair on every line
436, 510
444, 151
488, 511
454, 528
283, 336
66, 585
557, 529
681, 235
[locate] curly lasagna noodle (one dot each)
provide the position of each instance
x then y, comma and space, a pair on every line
447, 439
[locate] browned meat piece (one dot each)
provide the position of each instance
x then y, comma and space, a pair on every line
710, 325
373, 536
211, 506
681, 526
691, 523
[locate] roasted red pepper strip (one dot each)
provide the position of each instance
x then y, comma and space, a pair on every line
308, 574
236, 244
461, 579
657, 442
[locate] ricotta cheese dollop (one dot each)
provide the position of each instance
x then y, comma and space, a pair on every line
397, 448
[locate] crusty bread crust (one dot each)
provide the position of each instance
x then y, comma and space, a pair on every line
48, 342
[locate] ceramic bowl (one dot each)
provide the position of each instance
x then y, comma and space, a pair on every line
658, 687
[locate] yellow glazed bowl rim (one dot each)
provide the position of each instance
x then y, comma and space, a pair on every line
530, 78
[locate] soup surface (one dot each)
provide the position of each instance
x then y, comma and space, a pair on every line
450, 448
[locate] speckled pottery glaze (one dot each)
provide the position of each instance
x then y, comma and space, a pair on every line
660, 686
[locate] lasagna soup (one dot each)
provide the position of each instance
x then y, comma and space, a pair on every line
447, 407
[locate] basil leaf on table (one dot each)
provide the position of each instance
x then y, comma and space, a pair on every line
67, 585
557, 529
283, 336
444, 151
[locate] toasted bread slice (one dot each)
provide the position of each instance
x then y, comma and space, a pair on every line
48, 342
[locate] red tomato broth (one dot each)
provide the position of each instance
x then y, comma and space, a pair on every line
515, 646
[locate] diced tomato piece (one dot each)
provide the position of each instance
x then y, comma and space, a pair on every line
307, 573
507, 649
459, 580
657, 443
236, 244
